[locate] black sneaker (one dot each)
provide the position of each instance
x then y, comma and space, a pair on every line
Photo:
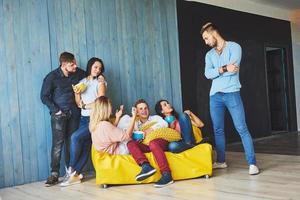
166, 179
147, 171
52, 180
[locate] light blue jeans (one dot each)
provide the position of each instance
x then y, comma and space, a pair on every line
233, 102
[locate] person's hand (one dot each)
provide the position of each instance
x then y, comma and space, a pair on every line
144, 134
101, 79
133, 112
58, 113
232, 67
81, 105
188, 112
119, 112
76, 89
172, 125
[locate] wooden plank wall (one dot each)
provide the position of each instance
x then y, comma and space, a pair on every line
137, 39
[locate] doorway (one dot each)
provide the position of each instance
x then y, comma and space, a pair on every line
277, 88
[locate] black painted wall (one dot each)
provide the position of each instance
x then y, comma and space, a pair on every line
253, 33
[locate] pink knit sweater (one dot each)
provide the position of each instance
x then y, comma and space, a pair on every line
106, 137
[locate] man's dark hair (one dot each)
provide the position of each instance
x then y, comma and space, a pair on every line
141, 101
209, 27
90, 64
66, 57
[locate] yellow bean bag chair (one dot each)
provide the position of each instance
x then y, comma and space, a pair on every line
122, 169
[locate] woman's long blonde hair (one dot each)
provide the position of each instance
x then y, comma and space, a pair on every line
101, 111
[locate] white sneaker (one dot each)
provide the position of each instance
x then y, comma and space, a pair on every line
253, 170
218, 165
80, 176
67, 174
72, 180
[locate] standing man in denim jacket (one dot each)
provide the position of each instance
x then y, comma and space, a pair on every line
222, 65
57, 94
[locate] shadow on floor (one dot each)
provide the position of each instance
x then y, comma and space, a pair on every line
284, 144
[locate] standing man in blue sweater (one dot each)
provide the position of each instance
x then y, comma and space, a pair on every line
222, 65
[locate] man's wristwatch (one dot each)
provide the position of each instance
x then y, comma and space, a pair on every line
224, 68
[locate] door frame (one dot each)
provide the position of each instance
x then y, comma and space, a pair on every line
287, 89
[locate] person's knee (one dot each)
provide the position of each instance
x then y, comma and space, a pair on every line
58, 142
131, 143
57, 149
242, 130
173, 147
219, 130
183, 116
154, 144
75, 137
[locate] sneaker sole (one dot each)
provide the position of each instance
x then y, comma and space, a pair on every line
160, 186
223, 166
256, 173
50, 185
145, 176
220, 167
69, 184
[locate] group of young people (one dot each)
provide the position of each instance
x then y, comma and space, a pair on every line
84, 115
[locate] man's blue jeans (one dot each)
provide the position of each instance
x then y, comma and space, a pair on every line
80, 145
188, 139
233, 102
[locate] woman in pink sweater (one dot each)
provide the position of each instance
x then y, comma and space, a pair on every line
106, 137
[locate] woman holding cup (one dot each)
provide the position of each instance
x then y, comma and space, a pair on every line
180, 122
86, 91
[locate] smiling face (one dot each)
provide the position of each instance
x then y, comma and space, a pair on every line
209, 38
96, 69
142, 111
166, 108
69, 67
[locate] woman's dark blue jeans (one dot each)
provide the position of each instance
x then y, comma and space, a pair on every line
188, 139
80, 145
